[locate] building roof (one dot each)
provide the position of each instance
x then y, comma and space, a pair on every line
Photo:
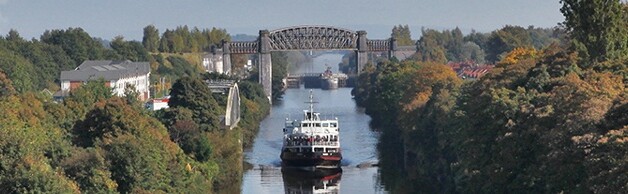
108, 70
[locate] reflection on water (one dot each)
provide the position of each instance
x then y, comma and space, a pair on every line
358, 142
274, 179
303, 182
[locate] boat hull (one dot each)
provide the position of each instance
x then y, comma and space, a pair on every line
329, 83
312, 160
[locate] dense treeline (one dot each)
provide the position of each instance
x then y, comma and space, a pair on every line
479, 47
547, 120
94, 142
182, 39
475, 48
34, 65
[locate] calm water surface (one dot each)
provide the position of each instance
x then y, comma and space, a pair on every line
358, 143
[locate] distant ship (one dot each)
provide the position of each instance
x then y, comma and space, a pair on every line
328, 80
311, 143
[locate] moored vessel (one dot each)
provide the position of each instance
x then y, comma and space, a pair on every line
311, 142
328, 80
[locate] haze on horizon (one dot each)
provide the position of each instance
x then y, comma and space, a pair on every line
107, 19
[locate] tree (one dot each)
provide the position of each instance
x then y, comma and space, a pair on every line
505, 40
6, 87
402, 34
151, 38
129, 50
472, 52
88, 168
30, 148
280, 70
77, 43
14, 36
454, 45
136, 150
81, 100
599, 29
193, 94
424, 123
18, 69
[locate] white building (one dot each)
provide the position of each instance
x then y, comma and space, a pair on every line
117, 75
212, 62
157, 104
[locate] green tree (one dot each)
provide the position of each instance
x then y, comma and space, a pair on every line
151, 38
77, 43
472, 52
80, 101
217, 35
280, 70
431, 46
402, 34
192, 93
455, 45
129, 50
505, 40
186, 133
19, 70
599, 29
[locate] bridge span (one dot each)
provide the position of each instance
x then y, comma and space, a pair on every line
232, 110
309, 37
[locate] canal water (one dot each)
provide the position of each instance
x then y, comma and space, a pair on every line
358, 143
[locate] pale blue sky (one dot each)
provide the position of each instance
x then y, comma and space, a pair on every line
109, 18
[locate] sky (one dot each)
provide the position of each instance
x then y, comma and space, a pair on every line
110, 18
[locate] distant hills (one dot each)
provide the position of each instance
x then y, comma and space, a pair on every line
243, 37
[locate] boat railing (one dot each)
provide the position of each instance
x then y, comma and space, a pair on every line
306, 143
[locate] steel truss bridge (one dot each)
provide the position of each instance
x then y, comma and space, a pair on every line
309, 38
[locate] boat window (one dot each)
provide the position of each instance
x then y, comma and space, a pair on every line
317, 125
334, 124
325, 124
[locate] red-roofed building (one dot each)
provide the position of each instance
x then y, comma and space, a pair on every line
469, 71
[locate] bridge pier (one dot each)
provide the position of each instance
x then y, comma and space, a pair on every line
393, 48
361, 54
226, 57
265, 64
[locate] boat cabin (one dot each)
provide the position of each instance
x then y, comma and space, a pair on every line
312, 134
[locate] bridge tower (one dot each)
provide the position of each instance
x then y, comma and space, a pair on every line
393, 48
265, 63
226, 57
361, 53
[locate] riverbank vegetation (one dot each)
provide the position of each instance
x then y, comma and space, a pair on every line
544, 120
94, 142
